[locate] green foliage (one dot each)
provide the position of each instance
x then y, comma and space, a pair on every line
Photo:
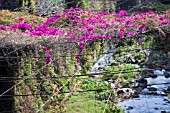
129, 51
111, 101
90, 55
125, 73
84, 103
84, 4
89, 84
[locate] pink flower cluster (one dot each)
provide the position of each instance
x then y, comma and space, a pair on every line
85, 26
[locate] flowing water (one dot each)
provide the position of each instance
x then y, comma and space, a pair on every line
105, 59
150, 101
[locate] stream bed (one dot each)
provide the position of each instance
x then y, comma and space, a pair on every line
153, 95
153, 98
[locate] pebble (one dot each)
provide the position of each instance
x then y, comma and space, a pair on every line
142, 82
166, 74
152, 89
152, 75
136, 94
146, 76
142, 85
156, 108
168, 89
152, 93
168, 54
129, 108
167, 68
125, 93
165, 111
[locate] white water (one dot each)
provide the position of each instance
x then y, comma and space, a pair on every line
104, 60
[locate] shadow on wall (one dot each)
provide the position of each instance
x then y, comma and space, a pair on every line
6, 101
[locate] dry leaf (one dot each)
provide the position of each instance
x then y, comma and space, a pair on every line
168, 53
168, 95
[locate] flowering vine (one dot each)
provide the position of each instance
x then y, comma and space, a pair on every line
86, 26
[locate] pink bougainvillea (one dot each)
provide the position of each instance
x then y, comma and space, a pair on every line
86, 26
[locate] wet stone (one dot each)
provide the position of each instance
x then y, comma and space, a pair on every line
125, 93
142, 61
152, 89
159, 68
129, 108
142, 85
156, 108
165, 104
152, 75
166, 74
152, 93
152, 66
149, 71
120, 92
146, 76
167, 67
142, 80
165, 111
168, 89
135, 95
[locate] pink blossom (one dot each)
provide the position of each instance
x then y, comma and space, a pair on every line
122, 29
44, 48
167, 13
128, 26
161, 17
164, 34
121, 34
75, 21
130, 34
2, 27
140, 41
19, 20
112, 35
166, 21
47, 59
160, 37
78, 57
122, 13
90, 28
